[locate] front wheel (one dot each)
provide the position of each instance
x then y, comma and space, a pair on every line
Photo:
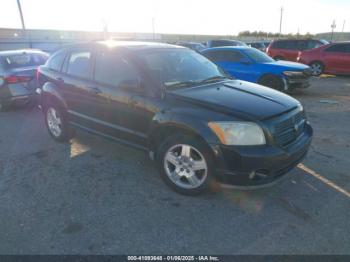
316, 68
186, 164
272, 82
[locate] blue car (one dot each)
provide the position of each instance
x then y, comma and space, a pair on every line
252, 65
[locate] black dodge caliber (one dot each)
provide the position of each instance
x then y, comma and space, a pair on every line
197, 124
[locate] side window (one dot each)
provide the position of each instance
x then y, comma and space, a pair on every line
114, 69
214, 56
303, 45
280, 44
336, 48
232, 56
348, 48
79, 64
55, 62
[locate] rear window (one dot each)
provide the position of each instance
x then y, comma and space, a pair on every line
23, 60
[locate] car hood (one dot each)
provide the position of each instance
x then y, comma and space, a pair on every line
286, 65
239, 98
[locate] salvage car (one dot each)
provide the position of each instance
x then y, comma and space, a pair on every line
332, 59
252, 65
17, 76
198, 125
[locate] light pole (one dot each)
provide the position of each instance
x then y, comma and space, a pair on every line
333, 26
153, 28
23, 24
281, 20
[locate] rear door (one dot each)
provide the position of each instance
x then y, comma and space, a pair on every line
76, 85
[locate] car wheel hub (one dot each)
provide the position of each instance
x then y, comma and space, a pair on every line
185, 166
54, 122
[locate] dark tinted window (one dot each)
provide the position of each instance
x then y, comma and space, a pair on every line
113, 69
24, 60
55, 62
285, 44
342, 48
79, 64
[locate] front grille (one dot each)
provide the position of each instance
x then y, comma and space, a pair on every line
287, 131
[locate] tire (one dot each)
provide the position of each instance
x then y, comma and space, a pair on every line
278, 57
177, 159
56, 122
317, 68
272, 81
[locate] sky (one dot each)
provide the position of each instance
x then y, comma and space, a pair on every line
222, 17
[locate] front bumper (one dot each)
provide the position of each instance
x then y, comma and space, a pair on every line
302, 82
254, 166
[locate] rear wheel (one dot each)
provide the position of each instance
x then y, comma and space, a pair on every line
186, 164
272, 81
56, 122
317, 68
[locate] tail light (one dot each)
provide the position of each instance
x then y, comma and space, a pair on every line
37, 74
17, 79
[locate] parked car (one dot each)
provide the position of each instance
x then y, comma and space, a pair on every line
198, 47
332, 58
252, 65
17, 76
217, 43
197, 124
289, 49
258, 45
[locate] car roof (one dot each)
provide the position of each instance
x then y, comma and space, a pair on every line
20, 51
131, 45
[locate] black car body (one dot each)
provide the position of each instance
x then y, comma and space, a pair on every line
224, 42
18, 76
151, 111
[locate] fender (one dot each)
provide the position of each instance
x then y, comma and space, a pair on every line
51, 89
184, 120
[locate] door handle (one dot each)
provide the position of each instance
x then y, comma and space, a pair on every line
94, 90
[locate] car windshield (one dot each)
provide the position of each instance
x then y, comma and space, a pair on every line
258, 56
177, 67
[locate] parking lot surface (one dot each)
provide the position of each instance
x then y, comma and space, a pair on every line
92, 196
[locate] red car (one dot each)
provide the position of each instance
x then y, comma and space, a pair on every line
332, 58
290, 48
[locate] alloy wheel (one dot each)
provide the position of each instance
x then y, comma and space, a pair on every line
185, 166
54, 121
316, 69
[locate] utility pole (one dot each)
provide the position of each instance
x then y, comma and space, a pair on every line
153, 28
333, 26
281, 20
343, 26
23, 24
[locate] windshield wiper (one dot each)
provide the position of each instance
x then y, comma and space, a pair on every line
214, 79
182, 84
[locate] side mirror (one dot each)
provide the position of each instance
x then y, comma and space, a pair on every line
131, 85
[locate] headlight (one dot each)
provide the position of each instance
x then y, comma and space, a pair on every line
293, 73
238, 133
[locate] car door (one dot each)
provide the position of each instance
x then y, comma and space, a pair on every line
120, 97
236, 64
336, 58
76, 86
